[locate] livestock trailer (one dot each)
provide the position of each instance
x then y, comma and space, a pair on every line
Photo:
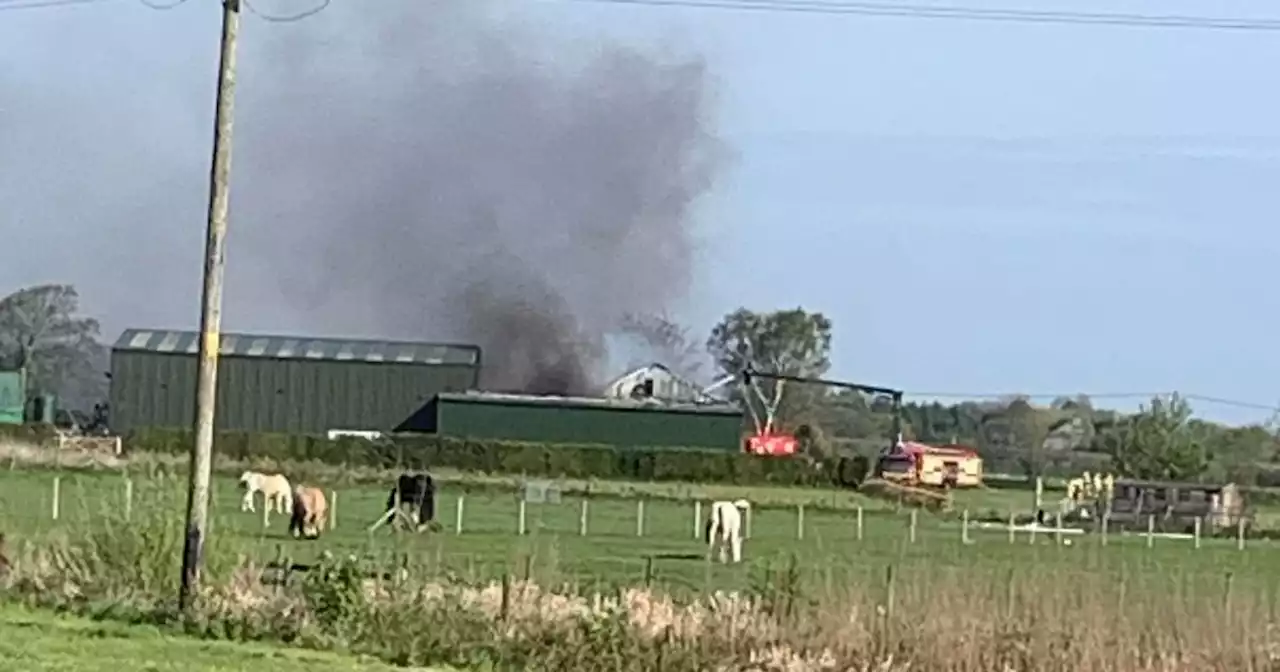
581, 420
293, 384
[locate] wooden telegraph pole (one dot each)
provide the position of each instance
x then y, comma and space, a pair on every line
211, 310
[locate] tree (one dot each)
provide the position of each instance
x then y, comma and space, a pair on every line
664, 340
1160, 441
42, 332
1238, 453
1020, 430
789, 342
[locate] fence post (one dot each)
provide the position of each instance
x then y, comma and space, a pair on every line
582, 519
1013, 531
1039, 493
964, 527
639, 517
333, 510
458, 513
859, 522
1057, 528
915, 519
128, 499
1151, 531
697, 519
800, 522
746, 533
523, 512
1195, 532
57, 496
1240, 534
1106, 522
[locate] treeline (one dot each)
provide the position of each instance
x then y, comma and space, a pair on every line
1063, 438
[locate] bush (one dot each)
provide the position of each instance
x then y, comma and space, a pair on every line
501, 457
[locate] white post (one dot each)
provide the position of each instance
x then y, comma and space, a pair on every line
57, 496
1151, 531
1057, 528
859, 522
128, 499
1240, 535
458, 513
266, 512
1195, 532
964, 527
333, 510
522, 518
746, 533
800, 522
915, 519
1013, 529
1039, 493
639, 517
697, 519
582, 519
1106, 522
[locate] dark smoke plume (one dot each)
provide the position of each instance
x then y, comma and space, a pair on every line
440, 174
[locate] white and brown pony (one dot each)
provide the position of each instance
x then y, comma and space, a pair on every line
724, 529
275, 491
310, 512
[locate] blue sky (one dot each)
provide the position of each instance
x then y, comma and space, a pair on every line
979, 207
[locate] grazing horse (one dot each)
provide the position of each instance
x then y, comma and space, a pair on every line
417, 494
274, 488
724, 528
310, 511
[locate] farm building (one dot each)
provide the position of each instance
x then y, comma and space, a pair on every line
621, 422
283, 383
655, 381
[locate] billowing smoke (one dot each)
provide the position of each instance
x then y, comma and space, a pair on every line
442, 174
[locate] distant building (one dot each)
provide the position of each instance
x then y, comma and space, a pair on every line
293, 384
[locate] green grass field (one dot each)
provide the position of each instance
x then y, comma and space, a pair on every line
826, 548
39, 641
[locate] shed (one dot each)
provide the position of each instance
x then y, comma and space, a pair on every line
617, 422
294, 384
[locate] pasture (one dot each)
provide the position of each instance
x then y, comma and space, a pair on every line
39, 641
635, 541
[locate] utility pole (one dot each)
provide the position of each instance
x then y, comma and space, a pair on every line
211, 310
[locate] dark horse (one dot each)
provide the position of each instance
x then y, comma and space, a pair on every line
416, 494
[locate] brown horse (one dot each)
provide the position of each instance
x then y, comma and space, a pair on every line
310, 511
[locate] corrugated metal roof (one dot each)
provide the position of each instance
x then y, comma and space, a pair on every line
299, 347
536, 400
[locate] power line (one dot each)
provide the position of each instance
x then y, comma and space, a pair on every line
41, 4
306, 13
153, 5
6, 5
1220, 401
964, 13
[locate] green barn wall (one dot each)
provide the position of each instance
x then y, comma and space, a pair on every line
150, 389
544, 422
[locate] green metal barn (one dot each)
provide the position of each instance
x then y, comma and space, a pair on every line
283, 383
620, 422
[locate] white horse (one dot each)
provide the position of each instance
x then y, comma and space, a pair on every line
724, 529
275, 489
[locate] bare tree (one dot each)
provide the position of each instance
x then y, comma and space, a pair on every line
666, 341
42, 332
